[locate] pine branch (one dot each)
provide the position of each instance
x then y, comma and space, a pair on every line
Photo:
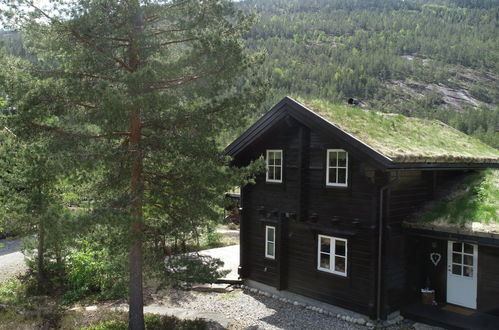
66, 101
171, 42
177, 82
79, 37
63, 132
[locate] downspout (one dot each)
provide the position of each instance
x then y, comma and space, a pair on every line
242, 229
380, 243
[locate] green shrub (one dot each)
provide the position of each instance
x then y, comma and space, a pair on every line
12, 292
108, 325
92, 272
213, 240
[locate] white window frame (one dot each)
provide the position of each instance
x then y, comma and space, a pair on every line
267, 241
332, 255
267, 158
336, 184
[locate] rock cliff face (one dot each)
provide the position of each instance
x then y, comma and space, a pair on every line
461, 87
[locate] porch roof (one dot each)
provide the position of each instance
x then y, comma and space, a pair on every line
471, 208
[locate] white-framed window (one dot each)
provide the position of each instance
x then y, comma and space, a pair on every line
270, 242
332, 255
274, 166
337, 168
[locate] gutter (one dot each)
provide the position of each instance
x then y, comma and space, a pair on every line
380, 243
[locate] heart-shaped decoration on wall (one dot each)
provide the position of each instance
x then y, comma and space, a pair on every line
435, 258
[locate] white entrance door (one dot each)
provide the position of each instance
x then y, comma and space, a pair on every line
462, 274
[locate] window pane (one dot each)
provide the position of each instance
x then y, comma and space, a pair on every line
325, 262
457, 258
342, 175
342, 159
325, 245
332, 175
340, 248
271, 157
270, 171
457, 247
270, 234
277, 175
468, 260
339, 264
468, 248
270, 249
277, 160
468, 271
456, 269
332, 158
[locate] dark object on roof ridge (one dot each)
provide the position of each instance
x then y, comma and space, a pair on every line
353, 101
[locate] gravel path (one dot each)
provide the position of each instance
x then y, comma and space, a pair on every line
251, 311
11, 259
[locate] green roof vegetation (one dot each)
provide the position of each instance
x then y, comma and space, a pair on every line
405, 139
472, 206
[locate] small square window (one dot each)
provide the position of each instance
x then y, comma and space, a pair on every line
337, 168
274, 166
270, 242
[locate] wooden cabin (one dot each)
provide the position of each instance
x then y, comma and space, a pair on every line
329, 219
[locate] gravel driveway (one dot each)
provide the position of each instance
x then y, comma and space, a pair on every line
251, 311
11, 259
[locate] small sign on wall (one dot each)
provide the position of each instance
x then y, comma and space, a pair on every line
435, 258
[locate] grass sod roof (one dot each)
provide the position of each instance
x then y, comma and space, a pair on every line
405, 139
472, 207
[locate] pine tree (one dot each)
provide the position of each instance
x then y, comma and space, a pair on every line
30, 198
140, 89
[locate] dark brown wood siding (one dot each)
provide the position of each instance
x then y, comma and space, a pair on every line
488, 279
305, 207
406, 196
421, 272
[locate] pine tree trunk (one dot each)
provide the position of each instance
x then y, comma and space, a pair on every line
136, 311
136, 299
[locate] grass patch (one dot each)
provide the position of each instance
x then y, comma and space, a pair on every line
405, 139
227, 296
10, 319
102, 320
476, 200
152, 322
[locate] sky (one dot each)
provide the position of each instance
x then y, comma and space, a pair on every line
41, 3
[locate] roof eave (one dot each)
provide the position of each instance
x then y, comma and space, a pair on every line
259, 127
451, 166
456, 235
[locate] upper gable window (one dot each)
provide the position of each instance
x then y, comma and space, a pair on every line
274, 166
337, 168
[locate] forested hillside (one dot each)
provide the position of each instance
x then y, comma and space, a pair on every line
427, 58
